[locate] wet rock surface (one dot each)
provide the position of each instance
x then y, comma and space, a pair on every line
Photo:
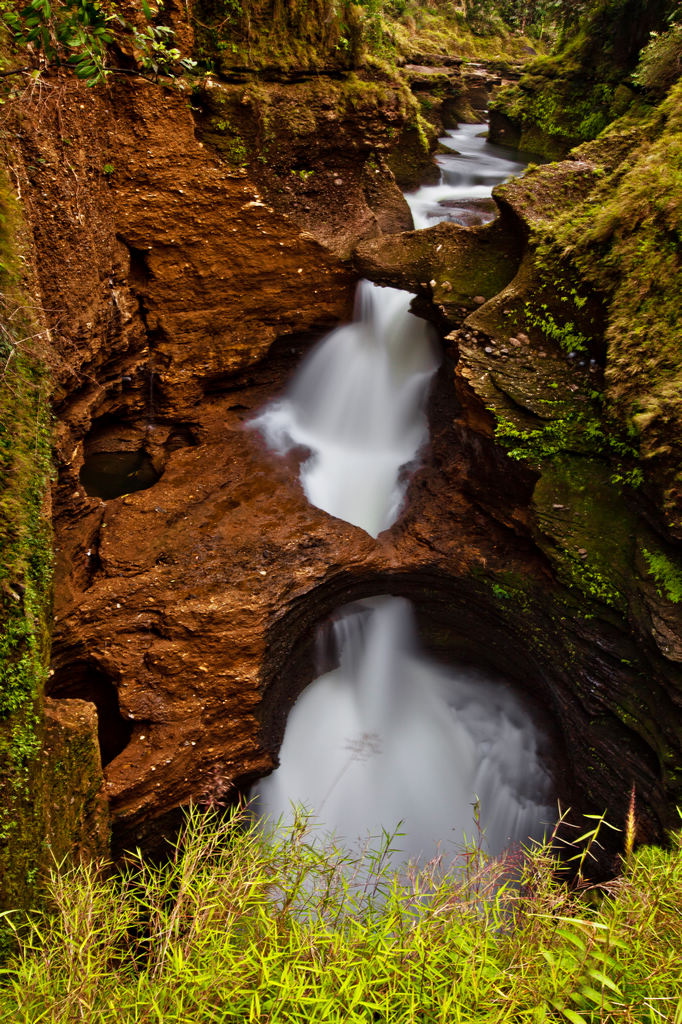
207, 589
457, 268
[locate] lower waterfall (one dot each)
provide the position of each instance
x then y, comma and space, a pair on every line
391, 736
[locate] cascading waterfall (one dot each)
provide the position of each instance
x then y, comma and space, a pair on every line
467, 178
358, 404
391, 736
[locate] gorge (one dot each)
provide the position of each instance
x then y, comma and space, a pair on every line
387, 742
182, 246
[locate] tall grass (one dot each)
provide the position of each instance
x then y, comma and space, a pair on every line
235, 928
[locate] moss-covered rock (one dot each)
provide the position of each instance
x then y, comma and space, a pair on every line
571, 96
43, 812
458, 268
323, 35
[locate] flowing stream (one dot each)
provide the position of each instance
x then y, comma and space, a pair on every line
468, 175
390, 736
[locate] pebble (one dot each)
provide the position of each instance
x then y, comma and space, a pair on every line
479, 300
582, 552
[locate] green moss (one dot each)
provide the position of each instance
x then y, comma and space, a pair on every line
301, 34
553, 117
625, 239
612, 223
231, 143
556, 325
44, 810
570, 430
437, 28
341, 34
25, 560
573, 95
594, 584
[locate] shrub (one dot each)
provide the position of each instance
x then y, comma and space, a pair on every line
660, 64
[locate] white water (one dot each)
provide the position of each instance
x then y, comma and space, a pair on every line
358, 404
391, 736
468, 177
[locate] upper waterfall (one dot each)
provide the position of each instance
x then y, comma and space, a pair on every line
357, 403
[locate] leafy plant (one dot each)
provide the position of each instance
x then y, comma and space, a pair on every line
660, 63
667, 575
76, 34
71, 32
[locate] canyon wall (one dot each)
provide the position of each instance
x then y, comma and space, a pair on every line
179, 279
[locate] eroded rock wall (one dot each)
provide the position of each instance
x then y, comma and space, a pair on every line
180, 296
165, 280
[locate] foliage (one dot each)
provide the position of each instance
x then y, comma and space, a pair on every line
668, 576
232, 928
25, 562
340, 33
77, 35
572, 429
660, 64
553, 115
573, 95
567, 335
75, 32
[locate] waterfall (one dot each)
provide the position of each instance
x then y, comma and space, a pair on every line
357, 403
391, 736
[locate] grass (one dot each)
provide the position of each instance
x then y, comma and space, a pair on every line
235, 928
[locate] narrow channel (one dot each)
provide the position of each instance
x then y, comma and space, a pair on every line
385, 738
470, 167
